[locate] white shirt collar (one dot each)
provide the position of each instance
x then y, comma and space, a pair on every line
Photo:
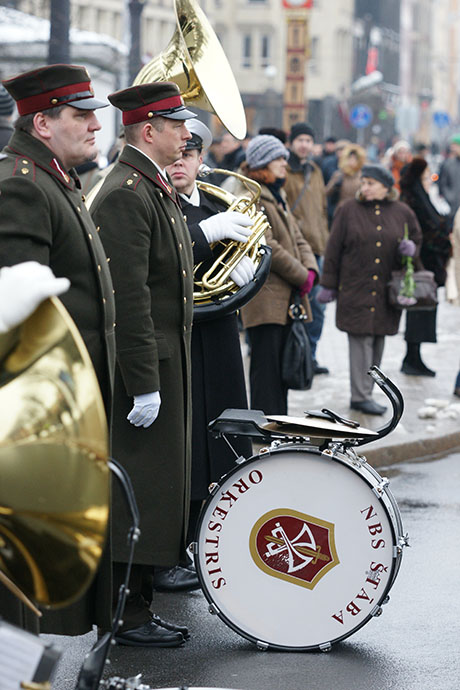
162, 170
194, 198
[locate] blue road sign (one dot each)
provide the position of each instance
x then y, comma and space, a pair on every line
361, 116
441, 119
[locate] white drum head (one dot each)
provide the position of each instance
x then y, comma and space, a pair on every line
295, 550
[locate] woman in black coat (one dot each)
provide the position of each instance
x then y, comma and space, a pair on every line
436, 248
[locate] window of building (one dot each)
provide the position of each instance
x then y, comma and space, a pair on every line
265, 51
247, 50
313, 63
294, 65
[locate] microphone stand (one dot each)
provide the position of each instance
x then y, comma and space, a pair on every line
93, 665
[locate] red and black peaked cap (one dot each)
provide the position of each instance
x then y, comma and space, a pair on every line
51, 86
144, 101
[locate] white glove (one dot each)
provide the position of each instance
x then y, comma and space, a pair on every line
229, 225
244, 272
22, 288
145, 409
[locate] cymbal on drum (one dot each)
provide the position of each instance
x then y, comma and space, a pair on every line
315, 427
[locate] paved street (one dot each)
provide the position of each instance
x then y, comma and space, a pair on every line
412, 646
414, 437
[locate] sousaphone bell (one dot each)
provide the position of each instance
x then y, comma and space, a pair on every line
196, 62
54, 488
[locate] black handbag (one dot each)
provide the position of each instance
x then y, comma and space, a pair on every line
297, 362
425, 291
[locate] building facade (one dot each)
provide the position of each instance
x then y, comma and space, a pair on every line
398, 57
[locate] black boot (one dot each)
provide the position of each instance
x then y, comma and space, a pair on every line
412, 363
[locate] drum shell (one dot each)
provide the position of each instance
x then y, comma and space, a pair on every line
334, 488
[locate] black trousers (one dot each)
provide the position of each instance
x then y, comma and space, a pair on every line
421, 326
137, 608
268, 393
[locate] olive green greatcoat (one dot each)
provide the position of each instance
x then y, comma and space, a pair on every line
43, 218
145, 236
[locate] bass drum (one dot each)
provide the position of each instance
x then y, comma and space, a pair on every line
298, 549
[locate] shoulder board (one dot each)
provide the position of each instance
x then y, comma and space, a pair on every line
131, 180
24, 166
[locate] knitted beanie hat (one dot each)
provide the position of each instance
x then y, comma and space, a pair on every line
7, 104
263, 149
301, 128
378, 172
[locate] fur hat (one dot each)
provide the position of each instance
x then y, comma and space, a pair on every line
264, 149
412, 172
379, 173
358, 151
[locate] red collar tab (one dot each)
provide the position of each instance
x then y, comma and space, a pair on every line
55, 165
166, 186
145, 112
51, 99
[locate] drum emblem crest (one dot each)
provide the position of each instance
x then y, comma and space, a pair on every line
293, 546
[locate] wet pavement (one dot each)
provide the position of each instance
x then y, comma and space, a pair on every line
414, 437
412, 646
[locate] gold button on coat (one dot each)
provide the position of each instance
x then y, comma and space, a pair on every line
375, 277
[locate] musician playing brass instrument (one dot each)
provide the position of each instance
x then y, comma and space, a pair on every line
217, 366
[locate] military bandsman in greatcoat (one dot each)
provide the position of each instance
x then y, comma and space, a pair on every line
43, 219
144, 233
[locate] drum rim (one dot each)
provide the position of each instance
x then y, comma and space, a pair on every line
396, 560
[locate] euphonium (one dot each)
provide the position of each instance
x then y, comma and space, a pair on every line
215, 293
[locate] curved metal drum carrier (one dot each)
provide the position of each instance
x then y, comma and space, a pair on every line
298, 546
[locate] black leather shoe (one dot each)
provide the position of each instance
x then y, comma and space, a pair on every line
175, 579
317, 369
368, 407
419, 370
171, 626
150, 635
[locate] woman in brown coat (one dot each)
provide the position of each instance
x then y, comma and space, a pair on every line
365, 246
293, 266
345, 182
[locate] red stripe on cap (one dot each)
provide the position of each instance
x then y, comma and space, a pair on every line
42, 101
130, 117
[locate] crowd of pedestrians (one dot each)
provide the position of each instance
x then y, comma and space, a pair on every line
352, 211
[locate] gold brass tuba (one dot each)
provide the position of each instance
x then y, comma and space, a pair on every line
54, 486
196, 62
